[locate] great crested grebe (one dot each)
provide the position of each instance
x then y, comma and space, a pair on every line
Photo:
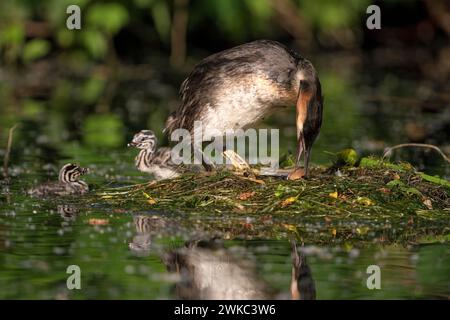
68, 184
209, 270
238, 87
152, 159
145, 225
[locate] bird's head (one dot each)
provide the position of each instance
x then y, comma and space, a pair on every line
144, 139
309, 118
71, 172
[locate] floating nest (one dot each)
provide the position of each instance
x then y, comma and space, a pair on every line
371, 201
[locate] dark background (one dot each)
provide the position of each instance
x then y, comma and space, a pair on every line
121, 72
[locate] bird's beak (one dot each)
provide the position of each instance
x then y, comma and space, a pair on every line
300, 147
309, 119
131, 144
303, 286
303, 101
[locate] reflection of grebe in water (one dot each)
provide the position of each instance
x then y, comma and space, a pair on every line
145, 227
302, 283
67, 211
210, 271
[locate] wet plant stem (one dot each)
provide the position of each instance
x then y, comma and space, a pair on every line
8, 150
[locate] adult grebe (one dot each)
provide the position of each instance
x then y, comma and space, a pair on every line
238, 87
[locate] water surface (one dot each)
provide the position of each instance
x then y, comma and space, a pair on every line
120, 259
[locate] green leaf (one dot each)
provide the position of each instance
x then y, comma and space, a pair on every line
413, 191
282, 190
95, 43
287, 160
35, 49
161, 17
262, 9
92, 89
347, 157
395, 183
109, 17
143, 3
105, 130
435, 180
369, 162
328, 14
31, 108
55, 11
65, 37
12, 34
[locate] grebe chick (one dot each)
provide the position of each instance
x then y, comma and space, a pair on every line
68, 184
151, 159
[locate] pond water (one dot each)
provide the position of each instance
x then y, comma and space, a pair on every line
129, 254
122, 258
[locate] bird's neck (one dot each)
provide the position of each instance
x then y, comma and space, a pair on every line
65, 177
144, 159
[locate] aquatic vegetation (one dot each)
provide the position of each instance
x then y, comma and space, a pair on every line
377, 201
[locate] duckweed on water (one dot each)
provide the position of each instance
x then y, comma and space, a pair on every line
377, 201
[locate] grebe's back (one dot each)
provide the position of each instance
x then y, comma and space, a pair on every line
238, 87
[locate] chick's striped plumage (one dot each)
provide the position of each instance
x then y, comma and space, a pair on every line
153, 160
68, 183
